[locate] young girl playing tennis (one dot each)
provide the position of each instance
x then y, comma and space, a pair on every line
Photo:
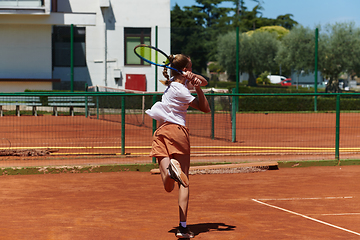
171, 145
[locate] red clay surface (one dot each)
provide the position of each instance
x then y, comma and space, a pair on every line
133, 205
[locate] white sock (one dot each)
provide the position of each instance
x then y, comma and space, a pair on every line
183, 224
169, 172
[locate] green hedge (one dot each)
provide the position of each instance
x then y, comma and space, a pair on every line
296, 103
274, 89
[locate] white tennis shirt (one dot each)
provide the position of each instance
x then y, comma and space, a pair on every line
173, 106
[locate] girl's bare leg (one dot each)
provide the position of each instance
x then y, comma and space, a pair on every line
184, 161
168, 182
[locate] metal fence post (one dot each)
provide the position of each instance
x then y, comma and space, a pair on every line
97, 103
154, 126
72, 57
337, 131
122, 125
316, 67
212, 107
233, 115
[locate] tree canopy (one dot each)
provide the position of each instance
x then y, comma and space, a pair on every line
340, 48
195, 29
297, 50
257, 53
338, 51
280, 31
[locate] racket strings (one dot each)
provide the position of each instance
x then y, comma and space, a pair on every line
152, 55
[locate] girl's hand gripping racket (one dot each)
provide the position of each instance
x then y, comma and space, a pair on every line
159, 58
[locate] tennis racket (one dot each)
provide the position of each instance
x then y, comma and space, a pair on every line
155, 56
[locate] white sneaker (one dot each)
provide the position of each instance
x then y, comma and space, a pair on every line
177, 174
184, 233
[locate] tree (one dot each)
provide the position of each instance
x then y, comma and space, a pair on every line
340, 52
285, 21
297, 50
207, 13
251, 20
185, 32
240, 8
280, 31
195, 29
257, 53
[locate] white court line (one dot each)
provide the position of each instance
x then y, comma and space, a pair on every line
338, 214
292, 199
304, 216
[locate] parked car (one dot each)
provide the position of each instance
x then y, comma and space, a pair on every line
276, 78
286, 82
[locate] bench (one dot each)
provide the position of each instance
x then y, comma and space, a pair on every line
70, 101
20, 100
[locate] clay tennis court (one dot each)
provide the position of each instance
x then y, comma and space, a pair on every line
301, 203
289, 203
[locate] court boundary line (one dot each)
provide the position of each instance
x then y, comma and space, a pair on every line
338, 214
294, 199
307, 217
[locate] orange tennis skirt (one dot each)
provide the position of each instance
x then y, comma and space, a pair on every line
169, 139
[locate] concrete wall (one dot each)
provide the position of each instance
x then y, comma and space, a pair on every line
19, 86
25, 51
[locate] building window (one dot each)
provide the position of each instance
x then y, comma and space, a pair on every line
133, 37
62, 46
21, 3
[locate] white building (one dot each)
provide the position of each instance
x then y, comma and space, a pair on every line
35, 40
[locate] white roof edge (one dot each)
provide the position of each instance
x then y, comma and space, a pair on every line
55, 18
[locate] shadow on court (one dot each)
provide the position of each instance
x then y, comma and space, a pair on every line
207, 227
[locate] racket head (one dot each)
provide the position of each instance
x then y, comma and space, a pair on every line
152, 55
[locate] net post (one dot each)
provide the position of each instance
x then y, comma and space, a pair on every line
122, 125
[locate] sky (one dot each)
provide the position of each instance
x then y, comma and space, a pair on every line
308, 13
